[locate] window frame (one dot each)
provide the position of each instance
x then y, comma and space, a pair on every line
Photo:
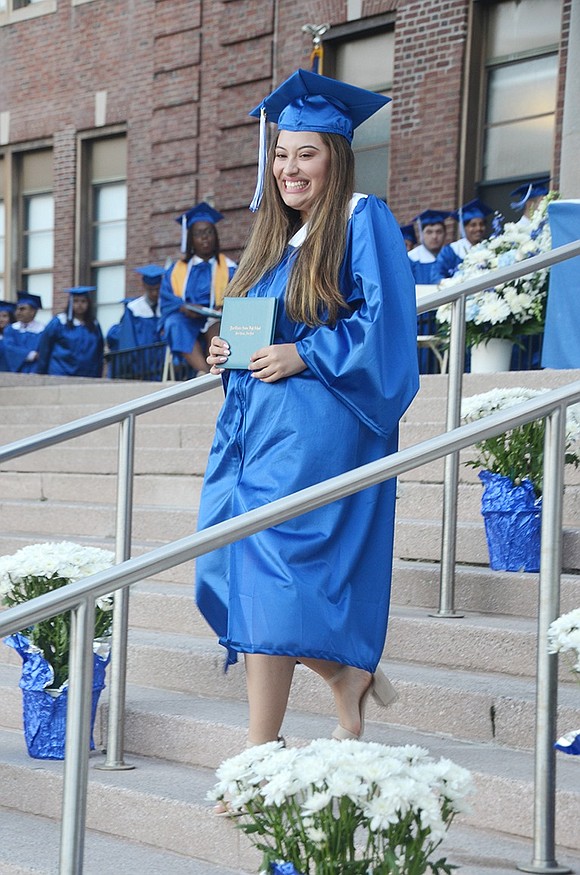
32, 10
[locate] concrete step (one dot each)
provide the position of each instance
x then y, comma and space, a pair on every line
168, 683
477, 589
423, 537
163, 803
30, 846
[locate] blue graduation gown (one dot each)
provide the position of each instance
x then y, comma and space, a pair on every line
130, 332
318, 585
181, 331
449, 259
17, 345
70, 350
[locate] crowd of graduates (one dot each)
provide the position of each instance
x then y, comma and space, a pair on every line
178, 310
180, 305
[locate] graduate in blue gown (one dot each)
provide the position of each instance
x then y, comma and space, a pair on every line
472, 225
324, 398
200, 278
431, 225
21, 339
6, 318
409, 236
140, 325
72, 343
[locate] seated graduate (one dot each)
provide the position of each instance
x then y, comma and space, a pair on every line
409, 236
529, 195
200, 278
72, 343
139, 326
472, 225
432, 235
6, 318
21, 339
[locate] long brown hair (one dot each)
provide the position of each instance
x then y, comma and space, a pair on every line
313, 295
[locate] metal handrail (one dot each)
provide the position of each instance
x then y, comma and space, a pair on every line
79, 598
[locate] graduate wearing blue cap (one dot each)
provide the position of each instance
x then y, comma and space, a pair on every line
431, 225
472, 225
199, 279
323, 398
21, 338
527, 198
72, 343
139, 326
409, 236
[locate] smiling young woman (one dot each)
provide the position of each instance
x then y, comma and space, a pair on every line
325, 397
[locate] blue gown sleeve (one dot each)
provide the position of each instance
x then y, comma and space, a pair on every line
369, 359
446, 264
168, 302
47, 340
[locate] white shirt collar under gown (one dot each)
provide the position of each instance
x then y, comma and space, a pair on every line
461, 247
142, 308
34, 327
300, 236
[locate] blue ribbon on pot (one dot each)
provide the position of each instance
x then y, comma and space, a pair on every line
513, 523
569, 743
44, 712
284, 869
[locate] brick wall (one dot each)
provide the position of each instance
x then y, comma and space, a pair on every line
181, 77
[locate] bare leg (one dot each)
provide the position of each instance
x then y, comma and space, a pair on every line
196, 359
268, 680
348, 685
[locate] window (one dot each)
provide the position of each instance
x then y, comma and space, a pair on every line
521, 64
12, 11
367, 61
35, 205
106, 238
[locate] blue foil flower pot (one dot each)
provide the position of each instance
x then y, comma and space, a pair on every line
513, 522
44, 711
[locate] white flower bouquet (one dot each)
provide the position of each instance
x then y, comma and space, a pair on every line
40, 568
564, 637
512, 309
345, 808
519, 452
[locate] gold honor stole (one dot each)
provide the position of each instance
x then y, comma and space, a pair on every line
220, 279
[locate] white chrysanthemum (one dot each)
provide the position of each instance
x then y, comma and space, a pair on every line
492, 309
316, 802
316, 835
62, 559
564, 633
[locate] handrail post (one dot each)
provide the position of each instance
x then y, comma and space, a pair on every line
547, 664
118, 675
78, 738
451, 469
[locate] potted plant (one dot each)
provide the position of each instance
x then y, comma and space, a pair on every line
350, 807
508, 311
564, 637
512, 473
44, 647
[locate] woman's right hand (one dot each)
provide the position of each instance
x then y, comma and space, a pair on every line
219, 351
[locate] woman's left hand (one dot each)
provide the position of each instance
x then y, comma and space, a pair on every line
273, 363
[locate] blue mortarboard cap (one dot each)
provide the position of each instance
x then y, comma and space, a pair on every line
7, 306
311, 102
201, 212
152, 273
432, 217
475, 209
408, 232
33, 300
81, 290
524, 192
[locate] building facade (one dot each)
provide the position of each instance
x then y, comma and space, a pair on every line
115, 117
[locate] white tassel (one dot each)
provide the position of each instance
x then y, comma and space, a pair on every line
256, 200
184, 233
